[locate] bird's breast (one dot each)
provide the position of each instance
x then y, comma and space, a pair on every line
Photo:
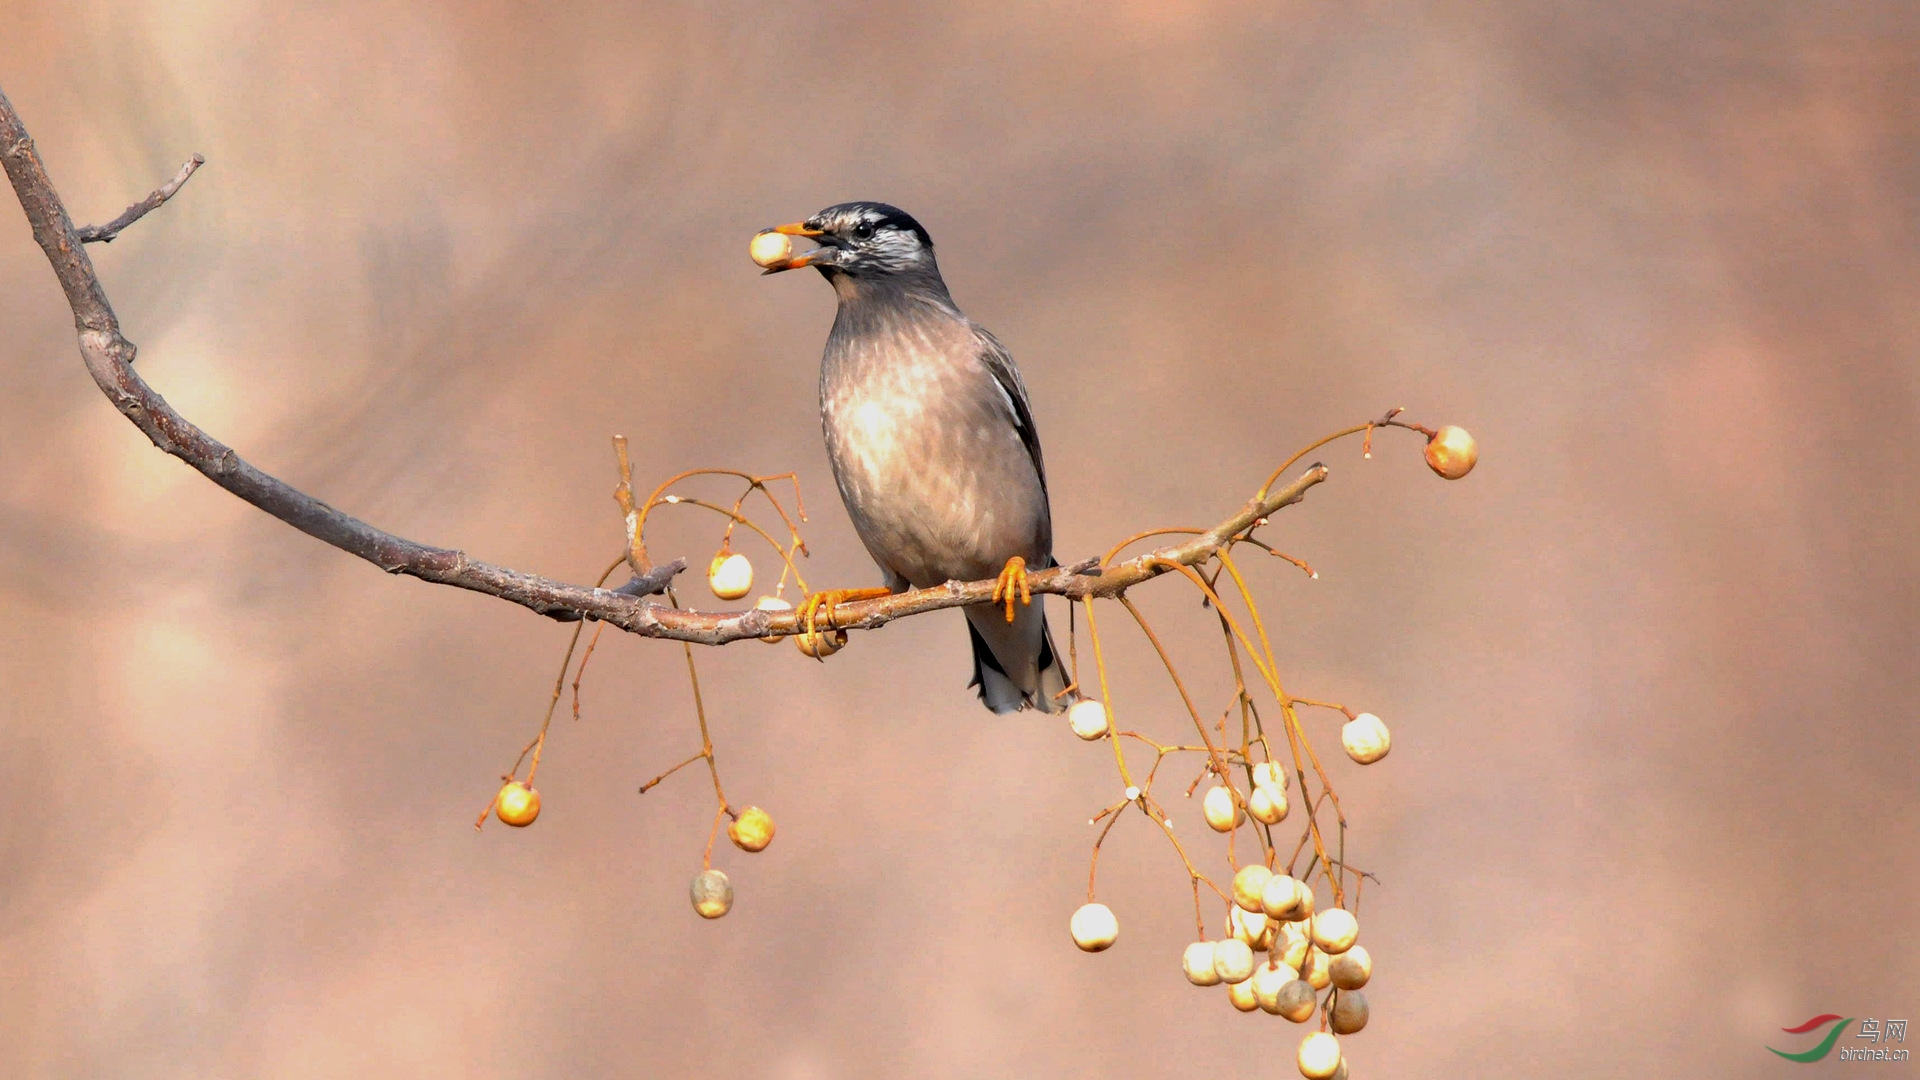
924, 450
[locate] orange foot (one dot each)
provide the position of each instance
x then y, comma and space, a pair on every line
810, 608
1013, 580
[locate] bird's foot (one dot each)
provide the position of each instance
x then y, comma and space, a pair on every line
1012, 583
809, 613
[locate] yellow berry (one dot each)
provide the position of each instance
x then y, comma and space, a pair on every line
517, 804
821, 643
1270, 772
1267, 981
1264, 943
1351, 969
1295, 1001
752, 830
1451, 452
1248, 881
1221, 810
1280, 896
1251, 927
1315, 969
1094, 927
1267, 804
1242, 996
1335, 929
712, 894
1319, 1056
1233, 959
1291, 944
1365, 738
730, 576
1349, 1012
1088, 719
770, 248
1197, 962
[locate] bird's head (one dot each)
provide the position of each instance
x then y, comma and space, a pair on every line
863, 241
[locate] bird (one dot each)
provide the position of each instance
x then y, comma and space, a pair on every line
931, 438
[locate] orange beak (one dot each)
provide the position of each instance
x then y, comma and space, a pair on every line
809, 258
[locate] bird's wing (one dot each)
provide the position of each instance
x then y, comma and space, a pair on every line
1000, 364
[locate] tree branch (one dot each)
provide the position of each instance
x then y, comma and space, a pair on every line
104, 234
109, 359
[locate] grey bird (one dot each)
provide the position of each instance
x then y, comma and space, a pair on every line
932, 442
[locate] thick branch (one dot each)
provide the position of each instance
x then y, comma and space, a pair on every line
109, 358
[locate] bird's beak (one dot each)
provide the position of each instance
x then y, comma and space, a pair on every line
820, 256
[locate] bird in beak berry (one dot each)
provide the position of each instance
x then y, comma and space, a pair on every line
932, 443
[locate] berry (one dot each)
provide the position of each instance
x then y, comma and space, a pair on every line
1319, 1056
1295, 1001
770, 248
1233, 959
1248, 881
1335, 929
1197, 962
821, 643
1270, 772
712, 894
1088, 719
1451, 452
517, 804
1291, 945
1267, 804
730, 576
1251, 927
1351, 969
752, 830
1093, 927
1280, 897
1222, 811
1365, 738
1315, 969
1349, 1012
1268, 979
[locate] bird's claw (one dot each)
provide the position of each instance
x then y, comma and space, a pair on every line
1013, 581
809, 613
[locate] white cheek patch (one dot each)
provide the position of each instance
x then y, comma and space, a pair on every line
900, 249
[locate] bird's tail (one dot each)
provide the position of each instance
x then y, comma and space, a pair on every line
999, 690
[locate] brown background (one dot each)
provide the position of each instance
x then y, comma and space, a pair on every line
1651, 668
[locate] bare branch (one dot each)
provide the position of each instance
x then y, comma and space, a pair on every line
109, 358
104, 234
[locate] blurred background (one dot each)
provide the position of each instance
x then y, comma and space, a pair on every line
1651, 669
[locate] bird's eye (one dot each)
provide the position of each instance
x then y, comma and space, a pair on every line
862, 231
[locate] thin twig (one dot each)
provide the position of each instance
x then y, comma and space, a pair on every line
104, 234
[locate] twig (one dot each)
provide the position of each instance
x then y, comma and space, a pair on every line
104, 234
